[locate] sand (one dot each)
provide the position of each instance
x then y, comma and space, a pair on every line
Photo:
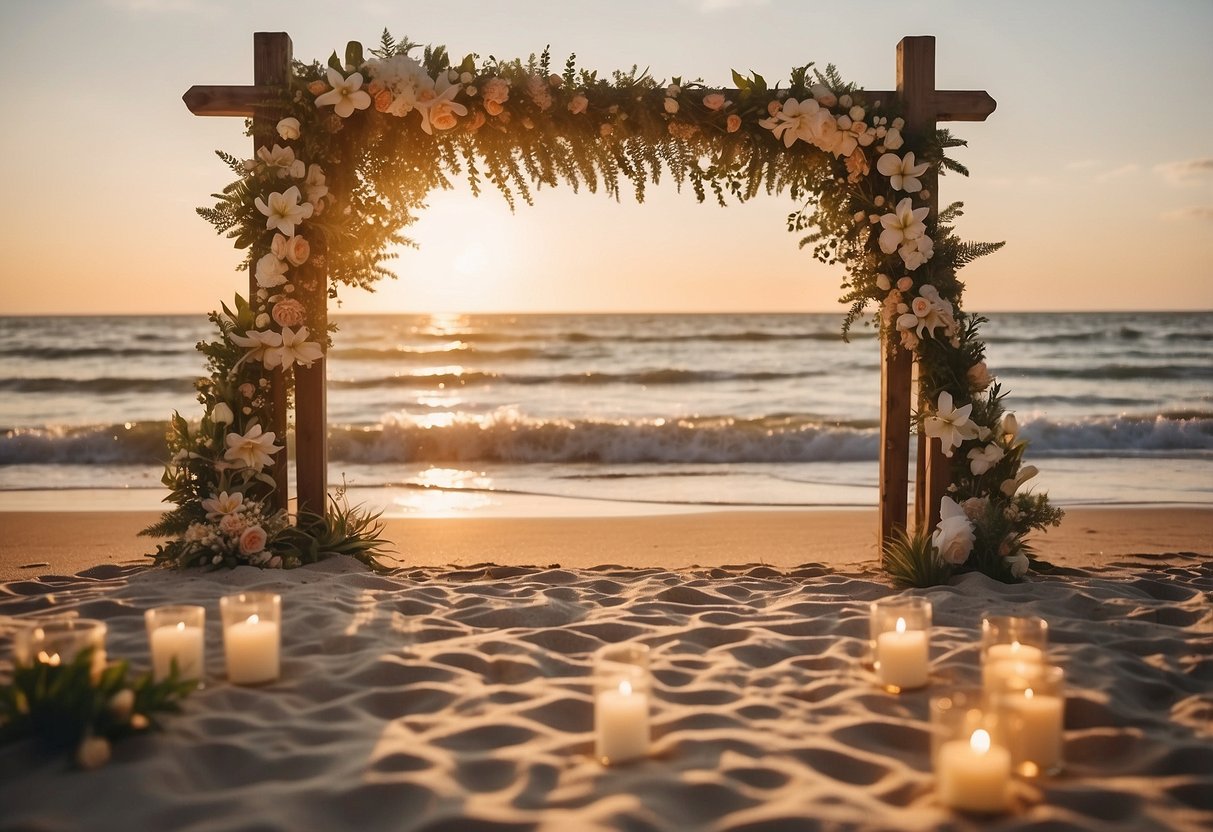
458, 699
49, 542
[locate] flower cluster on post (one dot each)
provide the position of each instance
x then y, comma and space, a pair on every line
391, 127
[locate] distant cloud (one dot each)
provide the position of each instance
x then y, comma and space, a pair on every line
1084, 164
1201, 213
1186, 172
1117, 173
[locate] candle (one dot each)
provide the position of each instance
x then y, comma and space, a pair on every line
177, 633
1001, 661
251, 647
621, 724
1014, 651
1034, 730
973, 775
59, 642
177, 641
902, 658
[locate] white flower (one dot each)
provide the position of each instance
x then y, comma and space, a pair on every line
893, 139
288, 129
953, 537
984, 458
793, 121
253, 449
257, 342
950, 425
1018, 564
284, 211
93, 752
916, 252
824, 95
279, 158
882, 282
439, 109
121, 705
314, 184
1009, 487
673, 90
903, 225
346, 94
1009, 429
221, 414
222, 504
294, 349
902, 172
270, 271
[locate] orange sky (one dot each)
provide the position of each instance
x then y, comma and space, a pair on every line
1096, 168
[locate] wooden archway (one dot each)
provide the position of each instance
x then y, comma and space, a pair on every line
924, 107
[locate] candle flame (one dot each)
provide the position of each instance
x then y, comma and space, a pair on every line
51, 658
980, 741
181, 626
1015, 647
625, 687
253, 619
1027, 694
901, 625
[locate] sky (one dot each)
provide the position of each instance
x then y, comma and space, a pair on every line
1096, 168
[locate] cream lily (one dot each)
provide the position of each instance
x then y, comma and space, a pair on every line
902, 172
346, 94
293, 349
903, 225
950, 425
253, 449
282, 211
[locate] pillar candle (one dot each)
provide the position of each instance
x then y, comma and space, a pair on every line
902, 657
177, 641
1034, 725
973, 775
621, 724
252, 651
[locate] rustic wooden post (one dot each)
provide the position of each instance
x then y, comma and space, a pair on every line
923, 106
271, 76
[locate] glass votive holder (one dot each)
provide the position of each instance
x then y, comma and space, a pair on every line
252, 636
972, 770
900, 642
1031, 705
1008, 641
59, 642
621, 703
177, 633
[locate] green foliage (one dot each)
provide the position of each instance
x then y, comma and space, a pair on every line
912, 561
61, 705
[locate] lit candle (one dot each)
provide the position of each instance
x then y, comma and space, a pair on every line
176, 641
621, 724
251, 647
1014, 651
1034, 730
972, 775
1004, 660
902, 657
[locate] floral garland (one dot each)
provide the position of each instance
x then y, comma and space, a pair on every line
391, 127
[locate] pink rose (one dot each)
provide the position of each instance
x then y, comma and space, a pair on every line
492, 107
921, 307
278, 246
252, 540
538, 91
289, 312
496, 90
733, 123
773, 108
714, 101
297, 250
578, 104
904, 284
231, 524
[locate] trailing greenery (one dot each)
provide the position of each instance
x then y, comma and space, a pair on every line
77, 708
912, 560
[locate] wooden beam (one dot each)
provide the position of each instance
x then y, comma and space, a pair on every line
896, 366
227, 100
948, 105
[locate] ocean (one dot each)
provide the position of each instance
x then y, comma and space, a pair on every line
455, 414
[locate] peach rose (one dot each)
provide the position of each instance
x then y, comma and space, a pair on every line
297, 250
278, 246
375, 87
733, 123
383, 101
714, 101
252, 540
289, 312
605, 130
492, 107
231, 524
578, 104
442, 115
317, 88
247, 390
773, 108
476, 122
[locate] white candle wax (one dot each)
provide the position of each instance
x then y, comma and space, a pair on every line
621, 724
1014, 651
1034, 730
972, 775
252, 651
177, 641
902, 657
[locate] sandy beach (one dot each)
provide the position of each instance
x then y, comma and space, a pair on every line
63, 543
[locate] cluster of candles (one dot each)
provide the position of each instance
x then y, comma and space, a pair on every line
980, 736
252, 639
